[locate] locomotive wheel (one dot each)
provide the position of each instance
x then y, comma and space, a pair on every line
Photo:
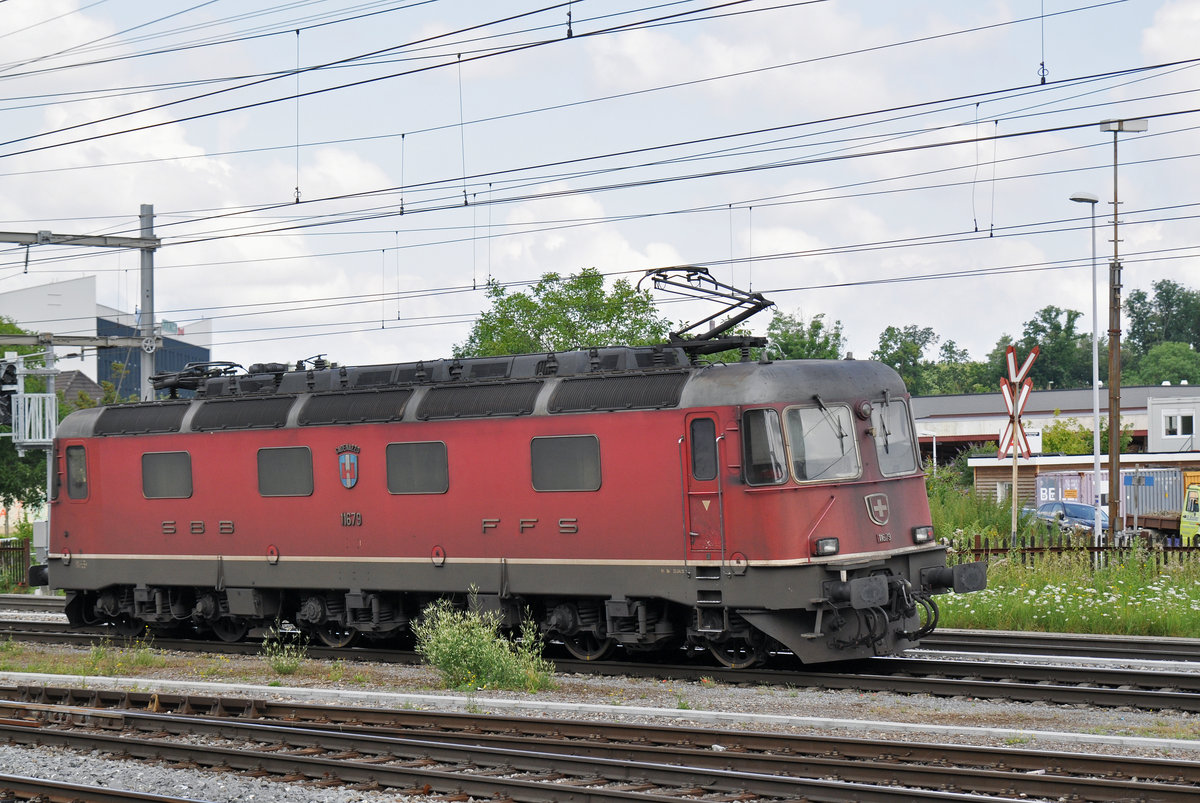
334, 635
589, 646
229, 628
128, 627
737, 653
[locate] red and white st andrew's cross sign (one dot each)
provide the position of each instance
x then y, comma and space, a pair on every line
1015, 391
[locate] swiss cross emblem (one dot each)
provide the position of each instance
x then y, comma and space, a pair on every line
348, 464
877, 508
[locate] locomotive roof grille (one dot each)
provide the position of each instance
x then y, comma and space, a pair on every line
262, 412
141, 419
361, 407
475, 401
370, 377
620, 392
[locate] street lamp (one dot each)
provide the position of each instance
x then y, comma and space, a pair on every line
1097, 533
1114, 336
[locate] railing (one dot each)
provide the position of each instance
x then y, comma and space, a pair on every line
35, 418
1030, 547
14, 562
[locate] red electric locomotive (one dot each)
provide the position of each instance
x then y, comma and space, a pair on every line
621, 496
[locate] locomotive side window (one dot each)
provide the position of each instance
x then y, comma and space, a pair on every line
762, 448
823, 443
167, 475
569, 463
77, 479
417, 468
893, 438
285, 472
704, 449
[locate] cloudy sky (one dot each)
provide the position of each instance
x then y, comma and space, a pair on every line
880, 163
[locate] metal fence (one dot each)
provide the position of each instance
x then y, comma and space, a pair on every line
14, 562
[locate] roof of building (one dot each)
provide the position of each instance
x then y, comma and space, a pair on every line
70, 383
1045, 402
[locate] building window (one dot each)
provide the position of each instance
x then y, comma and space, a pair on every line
1178, 424
167, 475
77, 472
570, 463
417, 468
285, 472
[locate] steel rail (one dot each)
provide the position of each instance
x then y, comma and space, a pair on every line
20, 787
543, 782
1076, 645
1147, 688
708, 756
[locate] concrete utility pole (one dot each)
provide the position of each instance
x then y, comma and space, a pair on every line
148, 342
1115, 515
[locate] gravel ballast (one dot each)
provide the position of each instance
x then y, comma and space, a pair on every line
701, 703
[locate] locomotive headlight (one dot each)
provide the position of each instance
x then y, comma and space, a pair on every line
826, 546
922, 535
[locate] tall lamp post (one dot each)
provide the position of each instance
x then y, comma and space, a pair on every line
1098, 532
1114, 336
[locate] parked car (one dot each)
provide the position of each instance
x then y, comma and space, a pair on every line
1071, 516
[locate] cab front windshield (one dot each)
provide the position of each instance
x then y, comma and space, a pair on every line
822, 443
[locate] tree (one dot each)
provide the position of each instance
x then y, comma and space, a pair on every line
904, 350
1173, 315
1168, 362
22, 478
1064, 355
1068, 436
560, 314
794, 339
955, 372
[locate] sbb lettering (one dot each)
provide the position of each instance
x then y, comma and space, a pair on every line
565, 526
224, 527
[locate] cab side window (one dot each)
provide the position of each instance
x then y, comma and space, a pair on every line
763, 457
704, 449
77, 479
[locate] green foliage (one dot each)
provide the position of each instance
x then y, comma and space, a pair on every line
22, 478
284, 652
1167, 362
904, 350
795, 339
1065, 356
105, 659
1172, 315
468, 650
958, 513
1068, 436
955, 372
1063, 593
561, 314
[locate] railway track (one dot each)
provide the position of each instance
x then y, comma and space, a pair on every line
535, 759
20, 788
1063, 645
1154, 688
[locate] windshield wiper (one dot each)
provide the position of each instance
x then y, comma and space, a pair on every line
834, 423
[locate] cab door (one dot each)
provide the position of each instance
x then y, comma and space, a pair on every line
1189, 519
704, 514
